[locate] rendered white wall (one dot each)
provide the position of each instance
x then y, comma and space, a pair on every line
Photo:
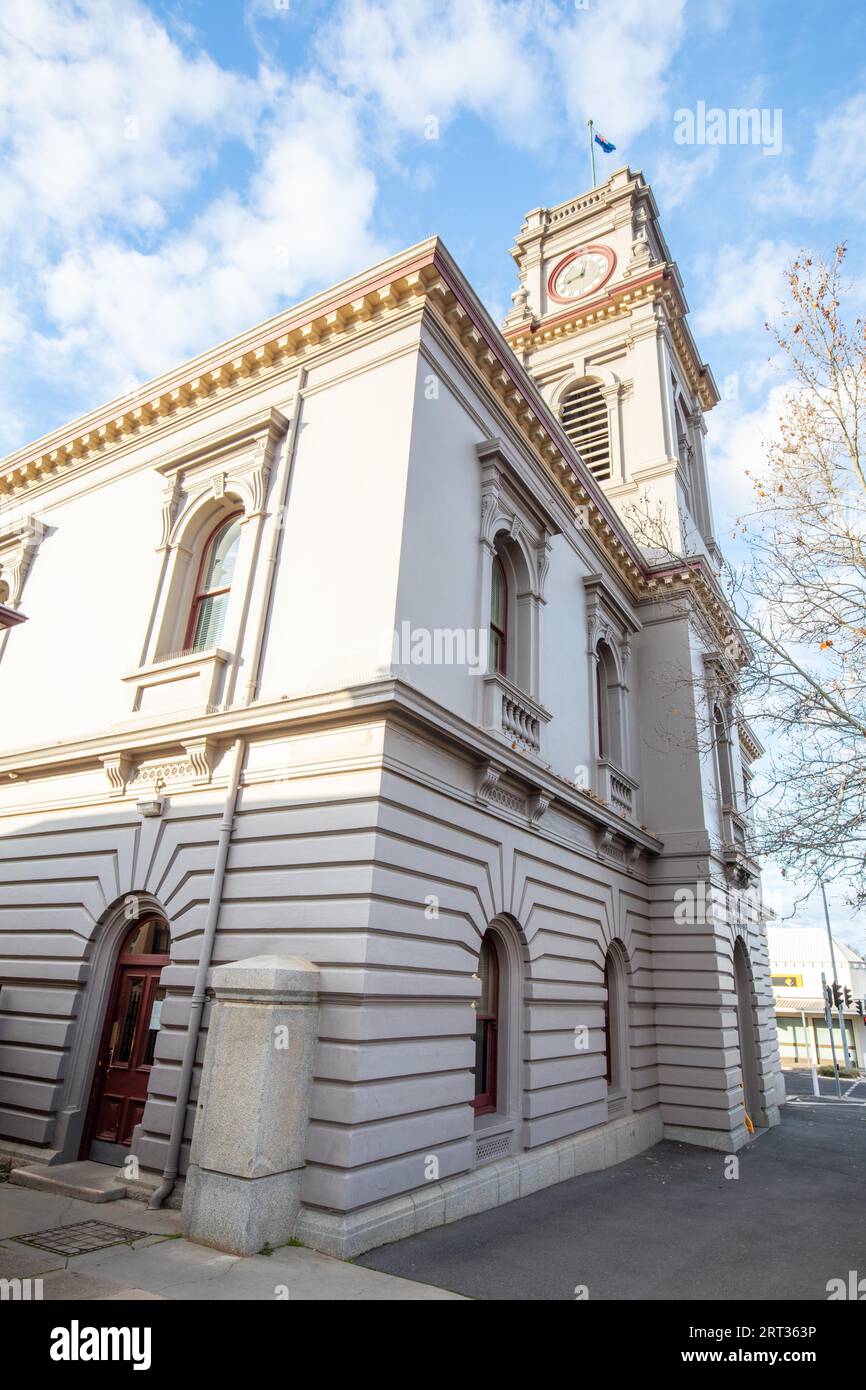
336, 583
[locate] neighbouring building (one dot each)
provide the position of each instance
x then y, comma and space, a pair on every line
343, 648
10, 617
798, 958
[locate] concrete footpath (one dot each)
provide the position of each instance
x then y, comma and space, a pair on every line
160, 1264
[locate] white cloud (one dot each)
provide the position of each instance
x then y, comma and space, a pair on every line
676, 177
418, 58
837, 170
304, 218
737, 437
102, 115
521, 67
130, 251
836, 173
743, 286
108, 126
611, 63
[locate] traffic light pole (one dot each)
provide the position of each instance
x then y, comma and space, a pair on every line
828, 1019
837, 993
813, 1064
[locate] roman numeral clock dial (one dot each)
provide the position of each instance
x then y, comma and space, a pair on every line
580, 273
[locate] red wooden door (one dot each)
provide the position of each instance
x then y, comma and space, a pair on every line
120, 1082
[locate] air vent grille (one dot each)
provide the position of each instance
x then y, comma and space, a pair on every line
497, 1146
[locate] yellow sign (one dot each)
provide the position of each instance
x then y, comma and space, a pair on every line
787, 981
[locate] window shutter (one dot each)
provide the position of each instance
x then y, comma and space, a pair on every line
584, 419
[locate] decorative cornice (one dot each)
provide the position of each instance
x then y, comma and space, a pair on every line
271, 347
693, 580
749, 739
426, 279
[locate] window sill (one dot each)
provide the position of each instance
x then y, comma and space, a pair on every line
185, 680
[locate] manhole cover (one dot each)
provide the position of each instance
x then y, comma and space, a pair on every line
81, 1238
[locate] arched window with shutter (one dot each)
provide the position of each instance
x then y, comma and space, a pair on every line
584, 416
499, 617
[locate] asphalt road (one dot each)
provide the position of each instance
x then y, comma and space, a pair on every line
669, 1224
799, 1083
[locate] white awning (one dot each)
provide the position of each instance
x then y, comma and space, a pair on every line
795, 1004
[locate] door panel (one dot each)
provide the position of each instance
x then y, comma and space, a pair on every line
120, 1083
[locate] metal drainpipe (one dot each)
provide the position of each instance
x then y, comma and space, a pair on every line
190, 1047
178, 1122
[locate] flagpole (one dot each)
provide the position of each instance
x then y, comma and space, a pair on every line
591, 153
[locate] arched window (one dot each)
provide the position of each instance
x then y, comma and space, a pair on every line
499, 617
724, 766
149, 937
684, 448
601, 701
214, 585
616, 1049
487, 1027
607, 694
585, 420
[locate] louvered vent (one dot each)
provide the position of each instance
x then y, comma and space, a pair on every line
584, 419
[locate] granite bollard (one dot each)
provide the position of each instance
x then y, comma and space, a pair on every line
247, 1157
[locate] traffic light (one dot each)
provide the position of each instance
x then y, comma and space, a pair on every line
828, 996
849, 998
837, 995
861, 1009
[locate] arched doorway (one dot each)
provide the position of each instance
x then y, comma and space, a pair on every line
747, 1036
118, 1093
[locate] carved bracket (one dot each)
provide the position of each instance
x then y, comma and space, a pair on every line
538, 805
19, 543
488, 778
489, 792
202, 754
118, 767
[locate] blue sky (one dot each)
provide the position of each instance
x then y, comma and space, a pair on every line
174, 172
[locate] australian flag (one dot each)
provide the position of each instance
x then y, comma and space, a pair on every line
607, 145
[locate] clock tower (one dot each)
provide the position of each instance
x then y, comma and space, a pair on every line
599, 320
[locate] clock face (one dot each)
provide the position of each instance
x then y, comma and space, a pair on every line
580, 273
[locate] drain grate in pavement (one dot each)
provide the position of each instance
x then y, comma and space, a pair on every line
80, 1239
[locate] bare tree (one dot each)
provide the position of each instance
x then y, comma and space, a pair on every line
801, 596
